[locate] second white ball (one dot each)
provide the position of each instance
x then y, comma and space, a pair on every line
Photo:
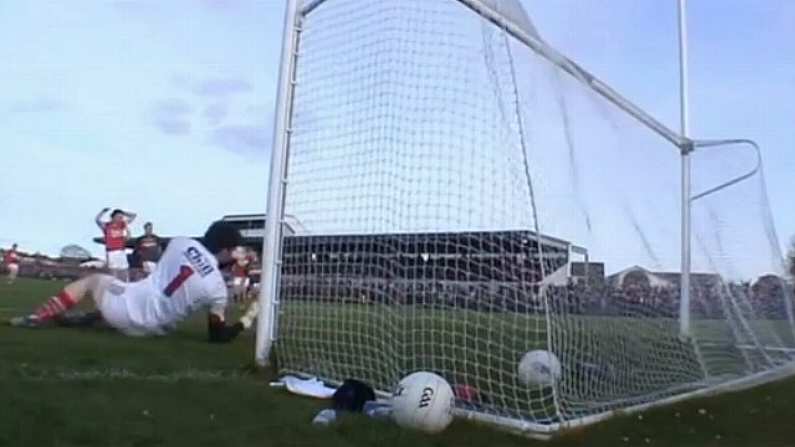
539, 368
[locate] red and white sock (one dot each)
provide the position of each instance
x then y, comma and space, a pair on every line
55, 306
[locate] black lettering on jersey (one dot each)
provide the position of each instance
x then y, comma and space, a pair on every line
199, 262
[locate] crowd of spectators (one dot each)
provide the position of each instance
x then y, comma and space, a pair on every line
709, 301
44, 267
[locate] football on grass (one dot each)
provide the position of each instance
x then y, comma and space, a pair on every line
423, 401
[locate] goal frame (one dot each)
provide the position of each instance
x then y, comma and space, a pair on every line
275, 223
295, 11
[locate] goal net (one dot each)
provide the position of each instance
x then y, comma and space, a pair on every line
466, 195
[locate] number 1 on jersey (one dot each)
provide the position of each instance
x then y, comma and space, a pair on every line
185, 272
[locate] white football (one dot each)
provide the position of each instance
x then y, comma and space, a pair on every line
540, 368
423, 401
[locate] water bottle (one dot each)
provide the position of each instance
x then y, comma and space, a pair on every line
325, 417
378, 410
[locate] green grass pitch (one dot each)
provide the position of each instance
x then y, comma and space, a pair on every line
69, 387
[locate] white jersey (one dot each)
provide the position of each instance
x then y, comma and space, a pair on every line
185, 280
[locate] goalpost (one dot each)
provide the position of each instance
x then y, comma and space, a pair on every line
444, 163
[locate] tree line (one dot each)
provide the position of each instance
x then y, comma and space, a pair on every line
791, 258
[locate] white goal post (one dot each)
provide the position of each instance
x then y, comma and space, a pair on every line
444, 162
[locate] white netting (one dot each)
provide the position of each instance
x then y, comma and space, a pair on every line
444, 175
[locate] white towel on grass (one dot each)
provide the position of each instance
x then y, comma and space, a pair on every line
305, 387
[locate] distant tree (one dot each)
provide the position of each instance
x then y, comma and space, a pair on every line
791, 258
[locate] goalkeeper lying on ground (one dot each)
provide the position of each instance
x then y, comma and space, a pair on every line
186, 279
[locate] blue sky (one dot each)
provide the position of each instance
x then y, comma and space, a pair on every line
742, 70
165, 107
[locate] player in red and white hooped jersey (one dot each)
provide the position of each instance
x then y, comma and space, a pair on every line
116, 232
244, 259
11, 263
187, 278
